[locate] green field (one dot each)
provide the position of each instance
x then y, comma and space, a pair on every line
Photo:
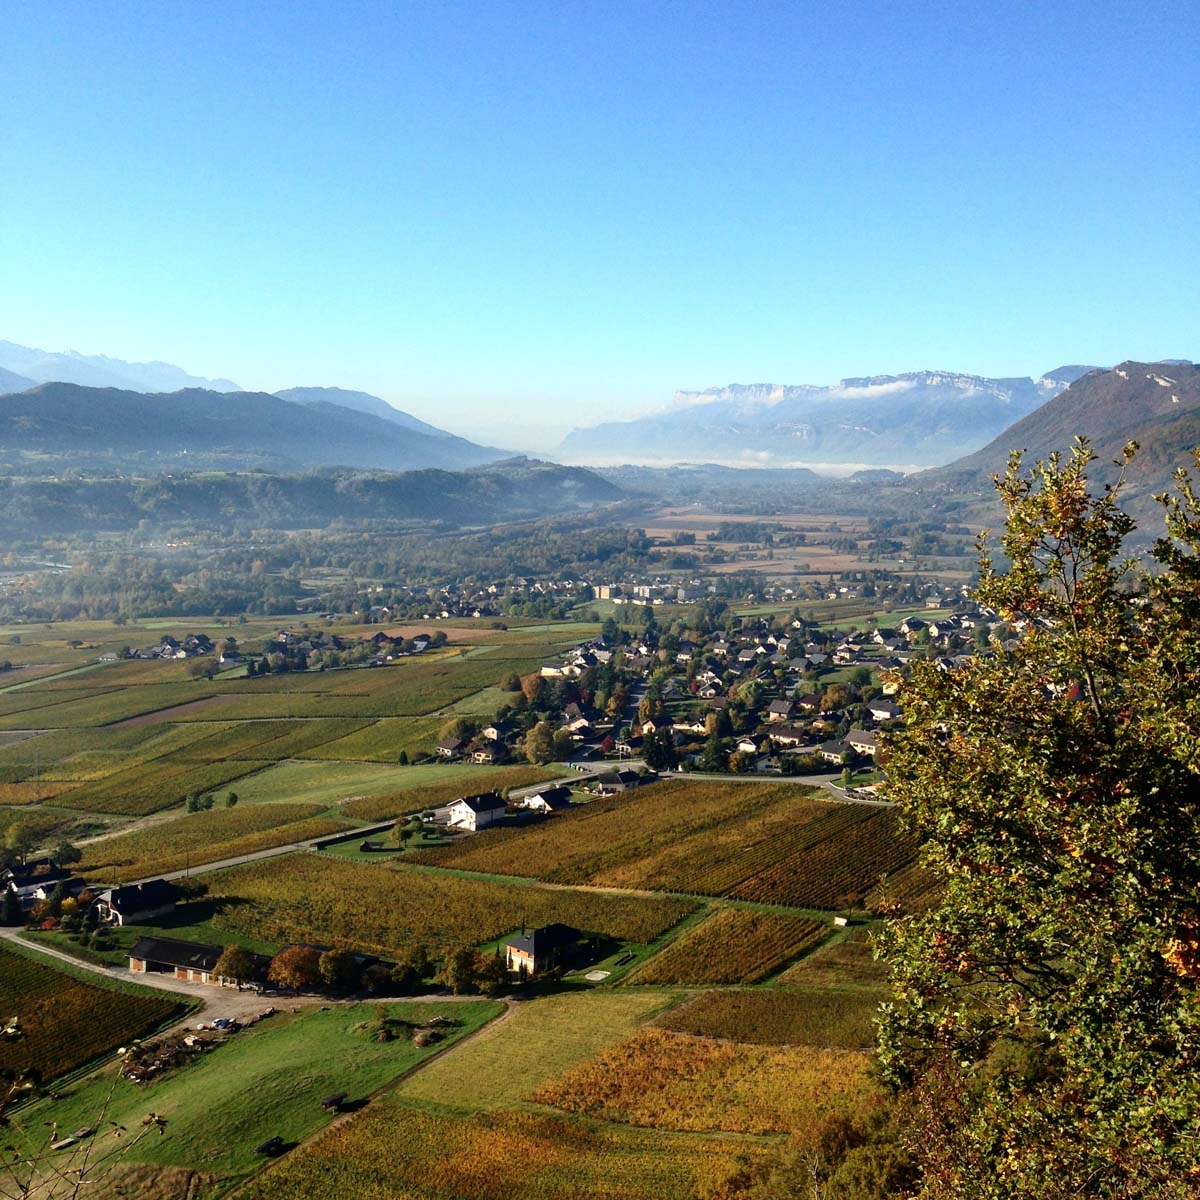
267, 1081
503, 1067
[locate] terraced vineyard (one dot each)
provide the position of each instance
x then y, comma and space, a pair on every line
835, 1018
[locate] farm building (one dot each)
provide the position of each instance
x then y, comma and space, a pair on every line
548, 800
541, 949
136, 903
189, 961
477, 812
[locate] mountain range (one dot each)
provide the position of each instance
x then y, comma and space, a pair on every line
32, 366
55, 425
923, 418
23, 367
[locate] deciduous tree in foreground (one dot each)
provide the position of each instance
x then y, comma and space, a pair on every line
1046, 1014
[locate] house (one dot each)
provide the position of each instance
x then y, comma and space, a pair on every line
883, 710
747, 746
477, 812
862, 741
26, 881
137, 903
488, 753
834, 751
790, 735
617, 781
192, 962
809, 702
780, 710
541, 949
451, 747
73, 887
548, 800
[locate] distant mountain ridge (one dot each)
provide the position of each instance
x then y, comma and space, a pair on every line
1133, 398
98, 370
360, 402
10, 381
1155, 404
116, 429
23, 367
515, 489
915, 419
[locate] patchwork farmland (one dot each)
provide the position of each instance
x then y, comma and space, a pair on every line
717, 1016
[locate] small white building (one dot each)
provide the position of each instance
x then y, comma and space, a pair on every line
548, 800
477, 812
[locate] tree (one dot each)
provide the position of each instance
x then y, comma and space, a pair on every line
66, 854
237, 964
1044, 1006
539, 743
563, 745
20, 840
460, 969
231, 799
658, 749
10, 912
339, 970
511, 682
54, 901
296, 967
493, 976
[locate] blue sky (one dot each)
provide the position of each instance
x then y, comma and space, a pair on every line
516, 218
